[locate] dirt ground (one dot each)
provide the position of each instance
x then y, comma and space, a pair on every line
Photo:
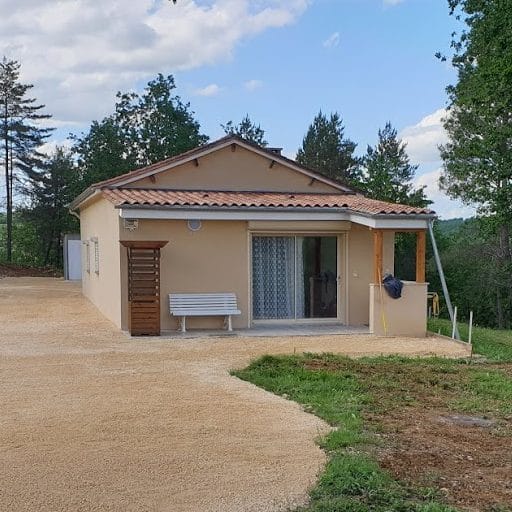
470, 464
92, 420
425, 440
11, 270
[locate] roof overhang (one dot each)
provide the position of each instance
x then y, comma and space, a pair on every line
379, 221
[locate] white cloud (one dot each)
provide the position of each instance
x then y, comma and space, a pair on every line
78, 53
445, 207
392, 2
424, 138
332, 41
49, 148
430, 180
209, 90
252, 85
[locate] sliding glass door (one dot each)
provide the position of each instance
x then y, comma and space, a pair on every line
294, 277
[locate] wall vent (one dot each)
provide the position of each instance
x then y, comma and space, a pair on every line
131, 224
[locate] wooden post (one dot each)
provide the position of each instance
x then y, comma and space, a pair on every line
378, 247
420, 256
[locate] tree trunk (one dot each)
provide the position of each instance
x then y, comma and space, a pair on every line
8, 187
506, 265
499, 309
48, 251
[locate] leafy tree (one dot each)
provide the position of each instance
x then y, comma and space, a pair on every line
50, 191
21, 135
157, 125
24, 241
478, 157
247, 130
325, 149
144, 129
102, 152
472, 272
388, 173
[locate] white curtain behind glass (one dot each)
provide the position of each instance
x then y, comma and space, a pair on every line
273, 276
299, 291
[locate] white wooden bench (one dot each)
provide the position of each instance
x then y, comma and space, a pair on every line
203, 304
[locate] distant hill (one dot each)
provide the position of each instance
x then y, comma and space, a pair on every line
450, 226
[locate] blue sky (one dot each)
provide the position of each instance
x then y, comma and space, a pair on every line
280, 61
383, 68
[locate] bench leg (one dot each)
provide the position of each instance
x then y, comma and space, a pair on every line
182, 324
230, 326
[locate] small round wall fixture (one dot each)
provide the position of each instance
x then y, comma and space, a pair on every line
194, 224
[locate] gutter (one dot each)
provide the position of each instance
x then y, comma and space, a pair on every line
84, 196
200, 208
79, 199
73, 212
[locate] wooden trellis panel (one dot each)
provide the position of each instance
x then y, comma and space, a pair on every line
144, 287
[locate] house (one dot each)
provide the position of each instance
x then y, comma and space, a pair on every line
230, 216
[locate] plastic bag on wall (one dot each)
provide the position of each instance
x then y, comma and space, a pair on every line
393, 286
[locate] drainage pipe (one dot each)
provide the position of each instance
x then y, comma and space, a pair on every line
441, 276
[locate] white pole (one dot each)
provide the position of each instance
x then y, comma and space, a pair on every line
470, 326
441, 276
454, 321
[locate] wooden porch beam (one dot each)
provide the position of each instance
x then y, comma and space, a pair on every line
378, 248
421, 245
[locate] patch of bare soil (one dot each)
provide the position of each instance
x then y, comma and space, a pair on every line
427, 444
11, 270
471, 465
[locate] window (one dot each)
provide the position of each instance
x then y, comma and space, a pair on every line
96, 255
294, 277
87, 259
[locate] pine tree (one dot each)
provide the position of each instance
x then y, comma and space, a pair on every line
247, 130
388, 173
324, 149
21, 135
50, 190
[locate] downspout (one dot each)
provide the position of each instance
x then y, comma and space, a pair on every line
441, 276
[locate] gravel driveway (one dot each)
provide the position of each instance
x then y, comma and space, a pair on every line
93, 420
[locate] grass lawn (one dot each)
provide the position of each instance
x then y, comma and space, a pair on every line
494, 344
424, 435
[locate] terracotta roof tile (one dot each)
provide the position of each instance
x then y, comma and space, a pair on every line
217, 199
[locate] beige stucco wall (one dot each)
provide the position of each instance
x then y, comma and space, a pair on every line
234, 170
406, 316
360, 270
100, 219
213, 259
217, 259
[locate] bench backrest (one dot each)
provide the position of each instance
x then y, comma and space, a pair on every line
202, 301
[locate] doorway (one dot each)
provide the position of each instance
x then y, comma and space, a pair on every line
294, 277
